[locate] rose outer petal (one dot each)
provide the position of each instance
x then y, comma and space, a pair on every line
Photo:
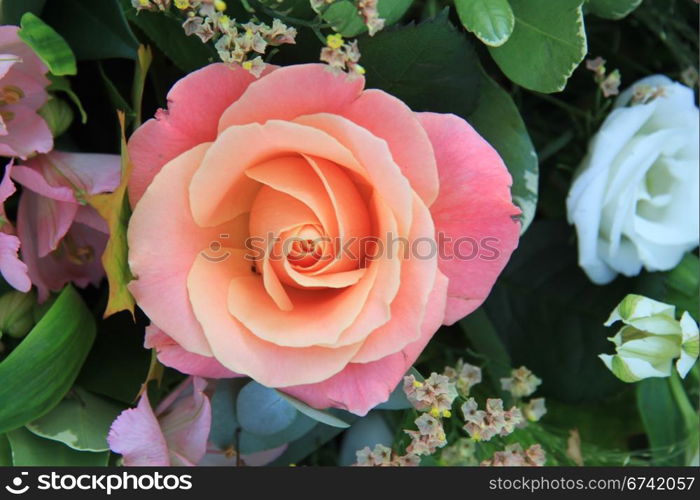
475, 203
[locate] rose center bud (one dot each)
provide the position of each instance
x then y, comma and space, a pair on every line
306, 247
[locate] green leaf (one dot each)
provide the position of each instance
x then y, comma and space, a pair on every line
41, 370
187, 52
319, 415
548, 42
31, 450
306, 444
498, 120
612, 9
485, 341
262, 410
11, 11
430, 66
115, 209
662, 420
345, 19
5, 451
491, 21
51, 48
61, 84
683, 285
94, 29
81, 421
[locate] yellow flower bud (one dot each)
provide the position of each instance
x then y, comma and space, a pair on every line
220, 5
334, 41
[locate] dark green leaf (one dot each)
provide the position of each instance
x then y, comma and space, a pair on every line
81, 421
262, 410
485, 341
41, 370
31, 450
612, 9
662, 421
491, 21
51, 48
498, 120
11, 11
306, 444
548, 42
430, 66
683, 285
187, 52
5, 451
94, 29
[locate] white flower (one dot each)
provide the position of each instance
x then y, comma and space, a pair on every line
635, 197
650, 340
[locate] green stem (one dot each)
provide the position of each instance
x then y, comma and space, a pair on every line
690, 416
561, 104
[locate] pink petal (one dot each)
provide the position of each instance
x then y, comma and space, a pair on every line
474, 204
390, 119
292, 91
195, 104
13, 270
171, 354
186, 423
28, 133
362, 386
137, 436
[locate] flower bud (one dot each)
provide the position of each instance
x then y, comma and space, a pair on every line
16, 313
57, 114
650, 340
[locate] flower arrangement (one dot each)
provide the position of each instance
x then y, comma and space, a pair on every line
349, 232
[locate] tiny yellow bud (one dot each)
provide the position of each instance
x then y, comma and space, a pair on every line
220, 5
182, 4
224, 22
144, 3
442, 436
247, 65
359, 69
435, 412
334, 41
417, 384
447, 413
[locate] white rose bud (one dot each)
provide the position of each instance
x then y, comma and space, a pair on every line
634, 200
650, 340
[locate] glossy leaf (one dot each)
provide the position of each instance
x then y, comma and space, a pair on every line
662, 420
612, 9
94, 29
491, 21
498, 120
115, 209
81, 421
51, 48
548, 42
430, 66
262, 410
345, 19
41, 370
31, 450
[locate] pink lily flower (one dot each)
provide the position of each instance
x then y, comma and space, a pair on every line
12, 269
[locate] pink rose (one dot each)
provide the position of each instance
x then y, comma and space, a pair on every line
264, 215
22, 93
62, 237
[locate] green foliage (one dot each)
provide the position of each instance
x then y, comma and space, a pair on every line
41, 370
81, 421
95, 30
51, 48
61, 84
611, 9
498, 120
492, 21
31, 450
262, 410
663, 421
11, 11
344, 18
548, 42
683, 285
430, 66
